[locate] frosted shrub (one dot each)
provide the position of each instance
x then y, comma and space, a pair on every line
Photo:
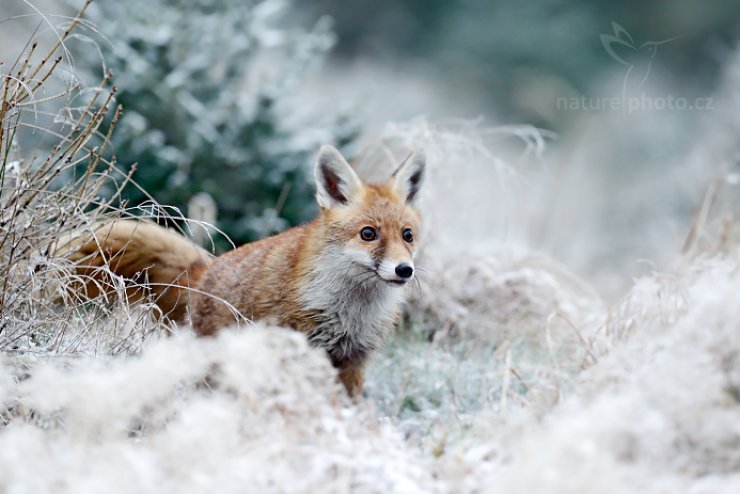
207, 90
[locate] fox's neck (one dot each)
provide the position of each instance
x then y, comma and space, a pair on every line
352, 308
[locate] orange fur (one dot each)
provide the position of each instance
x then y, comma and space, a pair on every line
321, 278
149, 258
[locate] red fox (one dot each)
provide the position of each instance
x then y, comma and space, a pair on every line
339, 279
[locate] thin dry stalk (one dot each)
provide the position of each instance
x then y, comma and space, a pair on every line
50, 193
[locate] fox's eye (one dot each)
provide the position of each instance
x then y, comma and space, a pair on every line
368, 234
407, 235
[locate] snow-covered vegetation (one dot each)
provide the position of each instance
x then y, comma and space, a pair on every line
513, 370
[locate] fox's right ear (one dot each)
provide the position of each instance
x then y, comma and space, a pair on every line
408, 178
336, 181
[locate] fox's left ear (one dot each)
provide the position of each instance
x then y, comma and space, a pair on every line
407, 179
336, 183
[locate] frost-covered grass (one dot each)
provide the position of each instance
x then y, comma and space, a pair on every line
54, 166
658, 413
493, 335
255, 411
49, 189
259, 411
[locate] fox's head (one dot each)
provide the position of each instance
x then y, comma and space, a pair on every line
376, 226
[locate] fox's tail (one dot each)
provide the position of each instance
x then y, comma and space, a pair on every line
152, 260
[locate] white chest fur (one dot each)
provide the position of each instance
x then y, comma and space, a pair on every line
354, 308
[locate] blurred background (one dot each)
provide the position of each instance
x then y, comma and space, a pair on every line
510, 61
226, 102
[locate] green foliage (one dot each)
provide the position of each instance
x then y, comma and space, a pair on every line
208, 90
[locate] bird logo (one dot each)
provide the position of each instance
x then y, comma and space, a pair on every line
637, 58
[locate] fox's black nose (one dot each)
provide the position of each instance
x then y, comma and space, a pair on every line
404, 270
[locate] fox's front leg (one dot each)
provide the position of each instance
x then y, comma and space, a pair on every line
353, 378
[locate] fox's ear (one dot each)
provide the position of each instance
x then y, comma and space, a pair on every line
336, 181
408, 178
